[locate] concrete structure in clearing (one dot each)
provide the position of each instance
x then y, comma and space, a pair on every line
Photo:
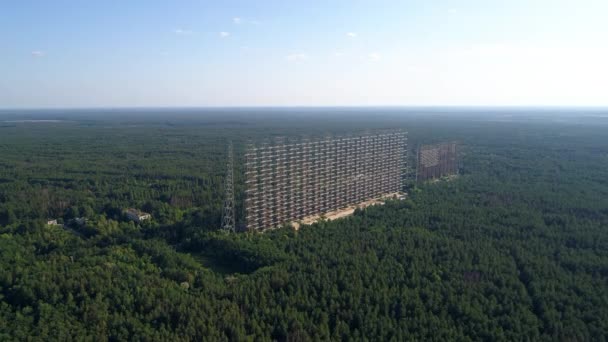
136, 215
293, 181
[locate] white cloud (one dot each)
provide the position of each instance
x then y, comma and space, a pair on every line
239, 21
351, 35
296, 57
38, 53
374, 57
180, 31
338, 54
452, 11
224, 34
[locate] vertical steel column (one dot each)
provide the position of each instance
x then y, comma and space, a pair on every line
228, 218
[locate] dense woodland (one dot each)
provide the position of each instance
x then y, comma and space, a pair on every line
515, 248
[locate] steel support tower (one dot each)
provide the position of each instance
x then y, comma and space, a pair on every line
228, 223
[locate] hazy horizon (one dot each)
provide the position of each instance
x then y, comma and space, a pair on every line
253, 114
318, 107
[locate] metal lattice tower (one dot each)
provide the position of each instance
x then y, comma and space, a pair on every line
435, 161
228, 218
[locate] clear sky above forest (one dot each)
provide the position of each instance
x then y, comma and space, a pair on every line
313, 53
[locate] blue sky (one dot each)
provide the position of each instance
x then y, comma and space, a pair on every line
311, 53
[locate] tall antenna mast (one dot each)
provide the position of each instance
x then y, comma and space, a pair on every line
228, 218
417, 163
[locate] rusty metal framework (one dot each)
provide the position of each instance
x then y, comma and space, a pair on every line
436, 161
228, 222
288, 181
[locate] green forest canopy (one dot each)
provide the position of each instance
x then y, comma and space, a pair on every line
516, 248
